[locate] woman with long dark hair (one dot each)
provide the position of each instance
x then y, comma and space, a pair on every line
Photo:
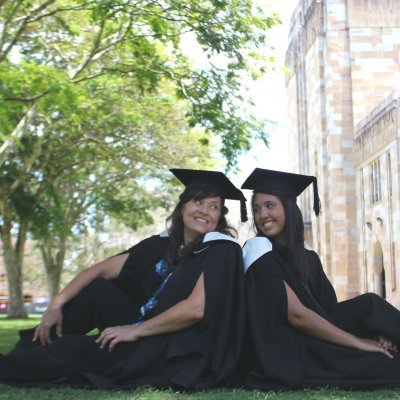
300, 336
169, 310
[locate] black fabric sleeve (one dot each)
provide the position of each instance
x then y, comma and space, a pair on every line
321, 287
277, 347
137, 277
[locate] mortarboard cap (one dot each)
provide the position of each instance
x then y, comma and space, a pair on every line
265, 181
214, 182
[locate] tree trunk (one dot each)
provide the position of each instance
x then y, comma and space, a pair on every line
53, 264
13, 260
16, 134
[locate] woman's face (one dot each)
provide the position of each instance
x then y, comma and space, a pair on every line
269, 216
200, 216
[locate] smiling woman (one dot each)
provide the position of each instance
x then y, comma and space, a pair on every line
200, 216
170, 310
269, 216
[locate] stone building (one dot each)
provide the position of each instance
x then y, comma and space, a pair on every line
377, 160
344, 64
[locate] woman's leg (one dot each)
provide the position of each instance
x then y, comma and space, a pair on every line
68, 356
99, 305
368, 315
77, 359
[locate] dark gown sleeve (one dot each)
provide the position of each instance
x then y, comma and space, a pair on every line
274, 348
137, 277
320, 286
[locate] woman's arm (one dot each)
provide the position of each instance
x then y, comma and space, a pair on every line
180, 316
309, 322
108, 269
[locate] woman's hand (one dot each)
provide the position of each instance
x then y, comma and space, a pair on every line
51, 317
387, 344
112, 336
372, 346
182, 315
108, 269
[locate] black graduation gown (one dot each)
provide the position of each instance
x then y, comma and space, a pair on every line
278, 356
198, 357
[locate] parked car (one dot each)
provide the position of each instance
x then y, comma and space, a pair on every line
3, 304
38, 306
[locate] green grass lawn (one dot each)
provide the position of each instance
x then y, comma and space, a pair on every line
9, 330
8, 336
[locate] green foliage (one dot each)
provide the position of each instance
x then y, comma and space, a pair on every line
214, 109
141, 42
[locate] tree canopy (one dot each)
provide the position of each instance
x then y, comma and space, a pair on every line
140, 40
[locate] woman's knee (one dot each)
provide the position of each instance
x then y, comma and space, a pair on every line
371, 297
98, 285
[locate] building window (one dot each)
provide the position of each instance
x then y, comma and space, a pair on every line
365, 255
362, 197
393, 266
375, 182
389, 171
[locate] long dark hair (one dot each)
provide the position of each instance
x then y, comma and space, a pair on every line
176, 249
294, 234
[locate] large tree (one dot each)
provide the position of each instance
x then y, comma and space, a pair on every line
22, 181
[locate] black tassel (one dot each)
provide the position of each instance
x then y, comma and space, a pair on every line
317, 202
243, 210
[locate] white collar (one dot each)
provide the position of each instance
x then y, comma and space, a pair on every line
254, 248
211, 236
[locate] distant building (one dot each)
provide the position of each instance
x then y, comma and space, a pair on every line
378, 201
344, 62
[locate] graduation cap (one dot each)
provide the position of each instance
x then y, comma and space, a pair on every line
214, 182
267, 181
